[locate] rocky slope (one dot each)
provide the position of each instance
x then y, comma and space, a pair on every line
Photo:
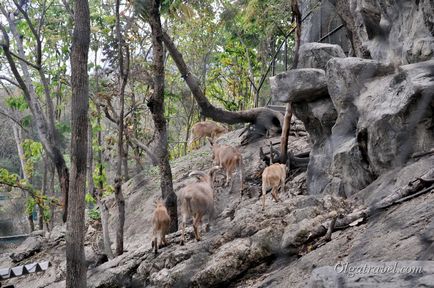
250, 248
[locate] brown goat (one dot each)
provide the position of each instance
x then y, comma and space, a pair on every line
229, 158
207, 129
160, 223
273, 176
197, 200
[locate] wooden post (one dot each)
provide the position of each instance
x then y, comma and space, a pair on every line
285, 134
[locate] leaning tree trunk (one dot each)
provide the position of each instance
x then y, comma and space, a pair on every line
75, 257
45, 129
156, 105
261, 117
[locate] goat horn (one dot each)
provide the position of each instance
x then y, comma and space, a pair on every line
196, 174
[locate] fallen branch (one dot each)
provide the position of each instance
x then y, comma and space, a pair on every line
412, 190
421, 154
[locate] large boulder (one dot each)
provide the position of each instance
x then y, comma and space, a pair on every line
372, 117
383, 117
29, 247
299, 85
315, 111
316, 55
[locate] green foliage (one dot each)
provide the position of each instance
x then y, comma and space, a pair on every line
100, 178
7, 178
89, 198
94, 214
32, 154
100, 175
63, 127
26, 121
32, 149
43, 201
30, 206
17, 103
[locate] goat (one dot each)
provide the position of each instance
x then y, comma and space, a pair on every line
273, 176
229, 158
207, 129
160, 223
197, 200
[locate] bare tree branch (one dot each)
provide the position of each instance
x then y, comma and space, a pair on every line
25, 61
16, 121
10, 81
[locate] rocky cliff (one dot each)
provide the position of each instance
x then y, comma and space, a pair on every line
399, 32
371, 140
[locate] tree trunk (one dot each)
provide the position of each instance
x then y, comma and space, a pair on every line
52, 176
156, 106
261, 117
44, 192
125, 163
49, 143
99, 193
285, 134
89, 164
18, 142
75, 257
123, 76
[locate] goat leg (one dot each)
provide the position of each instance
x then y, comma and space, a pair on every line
264, 192
163, 240
275, 194
155, 245
183, 233
196, 226
227, 178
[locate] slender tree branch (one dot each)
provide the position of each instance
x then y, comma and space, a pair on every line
68, 8
25, 61
34, 32
5, 113
10, 81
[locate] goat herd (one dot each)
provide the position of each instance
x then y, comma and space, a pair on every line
197, 198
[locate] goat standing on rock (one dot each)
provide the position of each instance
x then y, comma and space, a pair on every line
229, 158
273, 176
197, 200
160, 223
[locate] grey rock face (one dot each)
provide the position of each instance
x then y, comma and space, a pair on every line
299, 85
369, 274
370, 121
316, 55
322, 19
382, 118
397, 32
